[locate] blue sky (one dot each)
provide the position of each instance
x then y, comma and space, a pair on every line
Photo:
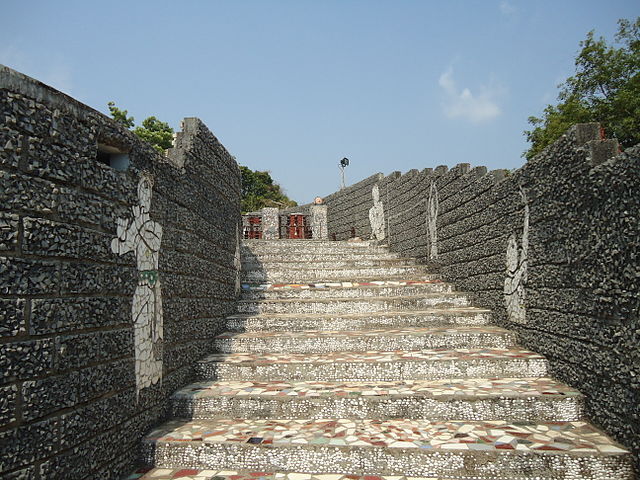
292, 86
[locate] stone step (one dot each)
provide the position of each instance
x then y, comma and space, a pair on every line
312, 257
307, 241
307, 273
274, 243
365, 340
354, 305
286, 263
217, 474
510, 399
303, 247
358, 321
379, 288
374, 366
457, 449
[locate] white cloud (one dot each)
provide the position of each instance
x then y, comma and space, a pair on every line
506, 8
464, 104
54, 71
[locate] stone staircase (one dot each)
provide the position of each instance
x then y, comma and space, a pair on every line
367, 367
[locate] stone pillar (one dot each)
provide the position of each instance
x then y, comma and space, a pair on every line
270, 223
318, 214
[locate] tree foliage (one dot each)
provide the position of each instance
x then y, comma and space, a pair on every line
259, 190
158, 134
605, 88
120, 116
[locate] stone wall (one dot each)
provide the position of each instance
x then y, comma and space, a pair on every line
95, 337
552, 248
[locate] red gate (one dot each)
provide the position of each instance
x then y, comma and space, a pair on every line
253, 229
297, 227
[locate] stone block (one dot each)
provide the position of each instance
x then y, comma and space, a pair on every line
76, 206
115, 344
26, 359
12, 320
89, 279
10, 147
28, 473
53, 239
28, 277
76, 351
27, 443
9, 224
101, 379
8, 402
21, 193
47, 395
65, 314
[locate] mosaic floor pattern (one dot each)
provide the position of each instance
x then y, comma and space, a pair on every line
416, 332
193, 474
430, 423
426, 311
443, 354
321, 285
489, 436
450, 388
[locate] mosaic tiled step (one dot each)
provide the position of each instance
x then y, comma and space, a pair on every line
456, 449
365, 340
283, 245
358, 321
372, 366
511, 399
310, 273
378, 288
354, 305
254, 263
309, 255
207, 474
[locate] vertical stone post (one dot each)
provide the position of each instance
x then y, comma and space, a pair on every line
270, 223
319, 222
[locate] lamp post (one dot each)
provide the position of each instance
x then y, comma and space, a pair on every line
343, 163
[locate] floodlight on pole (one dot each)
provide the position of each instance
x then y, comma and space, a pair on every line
343, 163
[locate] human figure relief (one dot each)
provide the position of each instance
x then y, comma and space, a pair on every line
432, 217
142, 236
516, 271
376, 215
237, 263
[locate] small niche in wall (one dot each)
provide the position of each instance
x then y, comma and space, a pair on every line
113, 157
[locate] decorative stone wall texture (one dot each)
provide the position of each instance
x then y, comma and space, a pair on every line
552, 248
76, 394
376, 216
270, 223
318, 219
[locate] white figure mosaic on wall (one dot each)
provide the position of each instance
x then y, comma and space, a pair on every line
432, 217
142, 236
237, 263
516, 271
376, 215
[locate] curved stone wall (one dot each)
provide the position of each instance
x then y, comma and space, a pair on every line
551, 247
100, 324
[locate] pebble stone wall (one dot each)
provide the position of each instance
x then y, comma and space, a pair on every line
69, 408
572, 287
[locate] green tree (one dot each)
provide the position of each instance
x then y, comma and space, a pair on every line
158, 134
120, 116
259, 190
605, 88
